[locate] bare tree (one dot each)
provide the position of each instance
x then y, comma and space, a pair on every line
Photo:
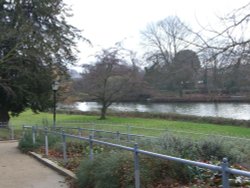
109, 79
164, 39
230, 47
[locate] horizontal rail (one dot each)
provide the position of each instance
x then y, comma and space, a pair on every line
157, 155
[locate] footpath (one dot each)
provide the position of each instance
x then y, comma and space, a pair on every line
19, 170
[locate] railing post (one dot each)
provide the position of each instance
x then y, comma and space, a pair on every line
64, 147
118, 136
33, 135
225, 178
93, 133
90, 148
79, 131
136, 167
128, 132
46, 142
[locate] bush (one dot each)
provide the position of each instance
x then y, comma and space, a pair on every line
205, 149
26, 143
116, 170
107, 170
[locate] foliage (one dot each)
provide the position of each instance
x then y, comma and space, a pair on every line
36, 43
115, 168
26, 143
204, 149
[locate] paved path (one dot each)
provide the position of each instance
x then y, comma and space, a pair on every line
18, 170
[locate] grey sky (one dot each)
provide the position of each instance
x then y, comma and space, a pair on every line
106, 22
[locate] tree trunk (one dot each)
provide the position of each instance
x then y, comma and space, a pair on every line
103, 112
4, 117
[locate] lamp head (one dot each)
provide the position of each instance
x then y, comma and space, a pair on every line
55, 85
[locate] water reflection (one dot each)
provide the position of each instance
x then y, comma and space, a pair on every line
227, 110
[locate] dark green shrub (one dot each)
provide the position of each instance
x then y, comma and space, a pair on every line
26, 144
107, 170
116, 170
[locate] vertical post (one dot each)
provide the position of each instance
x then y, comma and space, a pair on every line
90, 148
79, 131
93, 133
128, 132
225, 180
54, 109
55, 87
118, 136
64, 147
46, 142
136, 166
33, 135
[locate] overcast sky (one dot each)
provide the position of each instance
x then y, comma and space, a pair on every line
106, 22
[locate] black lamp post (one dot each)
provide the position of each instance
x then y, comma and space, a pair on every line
55, 87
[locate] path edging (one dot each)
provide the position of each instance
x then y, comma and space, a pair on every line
53, 165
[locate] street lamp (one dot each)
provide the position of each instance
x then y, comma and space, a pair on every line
55, 86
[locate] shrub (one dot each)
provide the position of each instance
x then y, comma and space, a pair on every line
116, 170
107, 170
205, 149
26, 143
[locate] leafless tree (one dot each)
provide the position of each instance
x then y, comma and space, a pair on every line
163, 39
110, 78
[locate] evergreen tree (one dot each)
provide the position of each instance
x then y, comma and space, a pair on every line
36, 44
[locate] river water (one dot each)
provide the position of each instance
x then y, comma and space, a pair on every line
226, 110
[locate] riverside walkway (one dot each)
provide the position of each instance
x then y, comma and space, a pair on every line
19, 170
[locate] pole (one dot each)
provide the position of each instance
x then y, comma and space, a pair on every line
225, 178
64, 147
136, 167
46, 142
54, 110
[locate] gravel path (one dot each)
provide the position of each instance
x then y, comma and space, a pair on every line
18, 170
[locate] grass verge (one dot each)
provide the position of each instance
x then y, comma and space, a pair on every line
29, 118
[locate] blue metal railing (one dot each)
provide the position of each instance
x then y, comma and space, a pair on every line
223, 168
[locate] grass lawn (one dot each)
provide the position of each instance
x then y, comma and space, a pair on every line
121, 124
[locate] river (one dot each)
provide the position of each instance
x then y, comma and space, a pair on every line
226, 110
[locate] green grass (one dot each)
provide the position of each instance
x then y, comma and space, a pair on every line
121, 124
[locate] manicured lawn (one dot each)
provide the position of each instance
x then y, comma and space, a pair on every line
122, 123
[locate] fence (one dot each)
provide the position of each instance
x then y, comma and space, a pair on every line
154, 132
223, 168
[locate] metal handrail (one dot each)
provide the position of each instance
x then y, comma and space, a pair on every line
223, 168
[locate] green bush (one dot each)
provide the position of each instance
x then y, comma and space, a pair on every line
107, 170
116, 170
206, 149
26, 143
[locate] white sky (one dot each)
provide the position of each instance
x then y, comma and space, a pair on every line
106, 22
